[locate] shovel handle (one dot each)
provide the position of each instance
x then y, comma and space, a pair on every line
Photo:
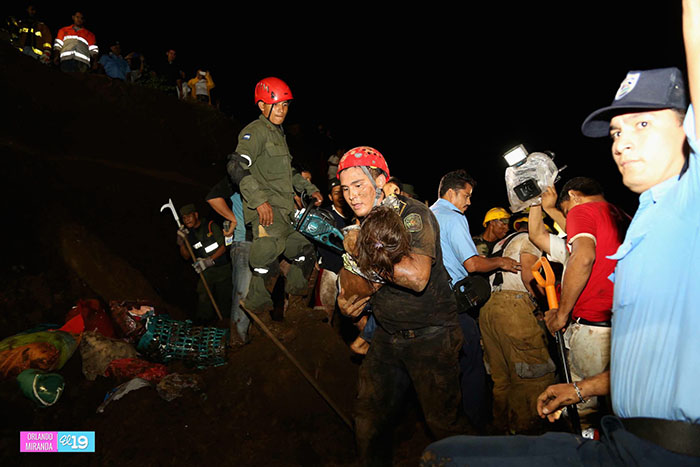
548, 282
204, 282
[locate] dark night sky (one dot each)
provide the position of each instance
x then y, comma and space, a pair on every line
433, 87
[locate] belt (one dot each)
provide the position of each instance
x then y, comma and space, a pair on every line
413, 333
602, 324
679, 437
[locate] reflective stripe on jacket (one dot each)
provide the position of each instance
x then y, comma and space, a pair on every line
76, 45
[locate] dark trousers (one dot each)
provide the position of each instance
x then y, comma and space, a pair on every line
74, 66
472, 373
616, 447
393, 363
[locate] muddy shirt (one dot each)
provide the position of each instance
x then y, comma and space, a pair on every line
271, 178
397, 308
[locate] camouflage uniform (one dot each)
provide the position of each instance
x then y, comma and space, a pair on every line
483, 247
272, 180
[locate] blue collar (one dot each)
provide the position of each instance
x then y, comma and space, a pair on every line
658, 191
449, 205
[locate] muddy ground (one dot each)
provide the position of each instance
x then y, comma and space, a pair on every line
86, 165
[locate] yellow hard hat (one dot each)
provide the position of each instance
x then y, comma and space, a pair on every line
518, 221
495, 213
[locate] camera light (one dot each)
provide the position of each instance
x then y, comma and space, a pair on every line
516, 155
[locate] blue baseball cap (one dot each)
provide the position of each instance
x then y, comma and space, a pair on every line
662, 88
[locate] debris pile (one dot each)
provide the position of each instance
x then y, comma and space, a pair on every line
131, 344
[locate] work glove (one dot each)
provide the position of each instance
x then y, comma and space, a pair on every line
181, 235
202, 264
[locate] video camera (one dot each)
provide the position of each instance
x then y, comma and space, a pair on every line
528, 175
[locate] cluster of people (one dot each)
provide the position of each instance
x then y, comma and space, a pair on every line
74, 49
627, 301
462, 319
170, 72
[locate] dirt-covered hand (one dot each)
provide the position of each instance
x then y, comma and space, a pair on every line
509, 264
556, 396
232, 226
182, 235
351, 306
265, 214
318, 197
555, 320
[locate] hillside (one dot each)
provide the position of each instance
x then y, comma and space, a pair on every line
87, 163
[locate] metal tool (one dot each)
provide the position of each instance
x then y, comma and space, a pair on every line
549, 286
171, 206
318, 225
301, 369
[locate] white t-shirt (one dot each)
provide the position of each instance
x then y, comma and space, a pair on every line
559, 253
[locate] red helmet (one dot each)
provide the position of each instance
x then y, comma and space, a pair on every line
272, 90
363, 156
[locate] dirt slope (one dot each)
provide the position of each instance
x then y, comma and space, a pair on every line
86, 165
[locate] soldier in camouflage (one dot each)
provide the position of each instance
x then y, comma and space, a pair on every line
262, 165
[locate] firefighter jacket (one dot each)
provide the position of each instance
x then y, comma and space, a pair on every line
36, 35
75, 44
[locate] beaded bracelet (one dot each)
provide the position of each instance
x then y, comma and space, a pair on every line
578, 393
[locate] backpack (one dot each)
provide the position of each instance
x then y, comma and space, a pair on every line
498, 275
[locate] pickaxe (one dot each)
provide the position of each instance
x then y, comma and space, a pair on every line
171, 206
549, 287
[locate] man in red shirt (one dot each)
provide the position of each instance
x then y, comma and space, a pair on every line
594, 229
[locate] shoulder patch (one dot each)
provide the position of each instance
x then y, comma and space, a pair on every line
413, 222
246, 136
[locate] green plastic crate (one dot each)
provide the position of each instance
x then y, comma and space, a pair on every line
167, 339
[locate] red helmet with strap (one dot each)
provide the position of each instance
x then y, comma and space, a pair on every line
272, 91
363, 156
